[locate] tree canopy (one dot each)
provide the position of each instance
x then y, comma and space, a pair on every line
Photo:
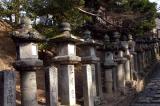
132, 16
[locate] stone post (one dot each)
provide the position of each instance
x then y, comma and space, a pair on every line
51, 85
89, 60
99, 79
66, 59
27, 62
7, 88
120, 70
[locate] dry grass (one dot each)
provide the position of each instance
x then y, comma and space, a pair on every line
7, 47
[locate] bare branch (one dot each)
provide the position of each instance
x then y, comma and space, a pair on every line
98, 17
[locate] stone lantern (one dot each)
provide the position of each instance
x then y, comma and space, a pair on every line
120, 60
109, 66
140, 57
127, 55
149, 45
133, 55
27, 63
89, 60
66, 59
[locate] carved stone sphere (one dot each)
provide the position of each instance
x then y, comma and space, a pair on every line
65, 26
26, 21
116, 35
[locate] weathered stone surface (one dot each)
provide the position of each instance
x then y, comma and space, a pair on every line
51, 85
120, 76
27, 60
28, 88
67, 85
28, 50
27, 64
26, 33
127, 70
65, 37
144, 100
99, 80
94, 80
7, 88
67, 49
156, 96
109, 81
87, 85
90, 59
67, 59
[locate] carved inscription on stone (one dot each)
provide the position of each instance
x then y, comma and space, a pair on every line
71, 83
8, 88
52, 86
87, 85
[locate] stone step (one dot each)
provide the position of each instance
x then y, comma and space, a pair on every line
155, 101
144, 100
156, 96
158, 92
145, 104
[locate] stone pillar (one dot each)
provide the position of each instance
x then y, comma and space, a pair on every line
87, 85
99, 79
27, 62
120, 70
89, 60
51, 85
68, 93
109, 68
28, 88
66, 59
7, 88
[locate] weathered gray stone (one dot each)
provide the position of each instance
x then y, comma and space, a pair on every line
144, 100
127, 71
155, 101
109, 81
127, 64
99, 80
88, 54
26, 32
7, 88
68, 49
157, 96
51, 85
94, 80
28, 88
87, 85
27, 61
120, 76
28, 50
67, 85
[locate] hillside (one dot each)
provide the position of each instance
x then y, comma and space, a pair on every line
7, 47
